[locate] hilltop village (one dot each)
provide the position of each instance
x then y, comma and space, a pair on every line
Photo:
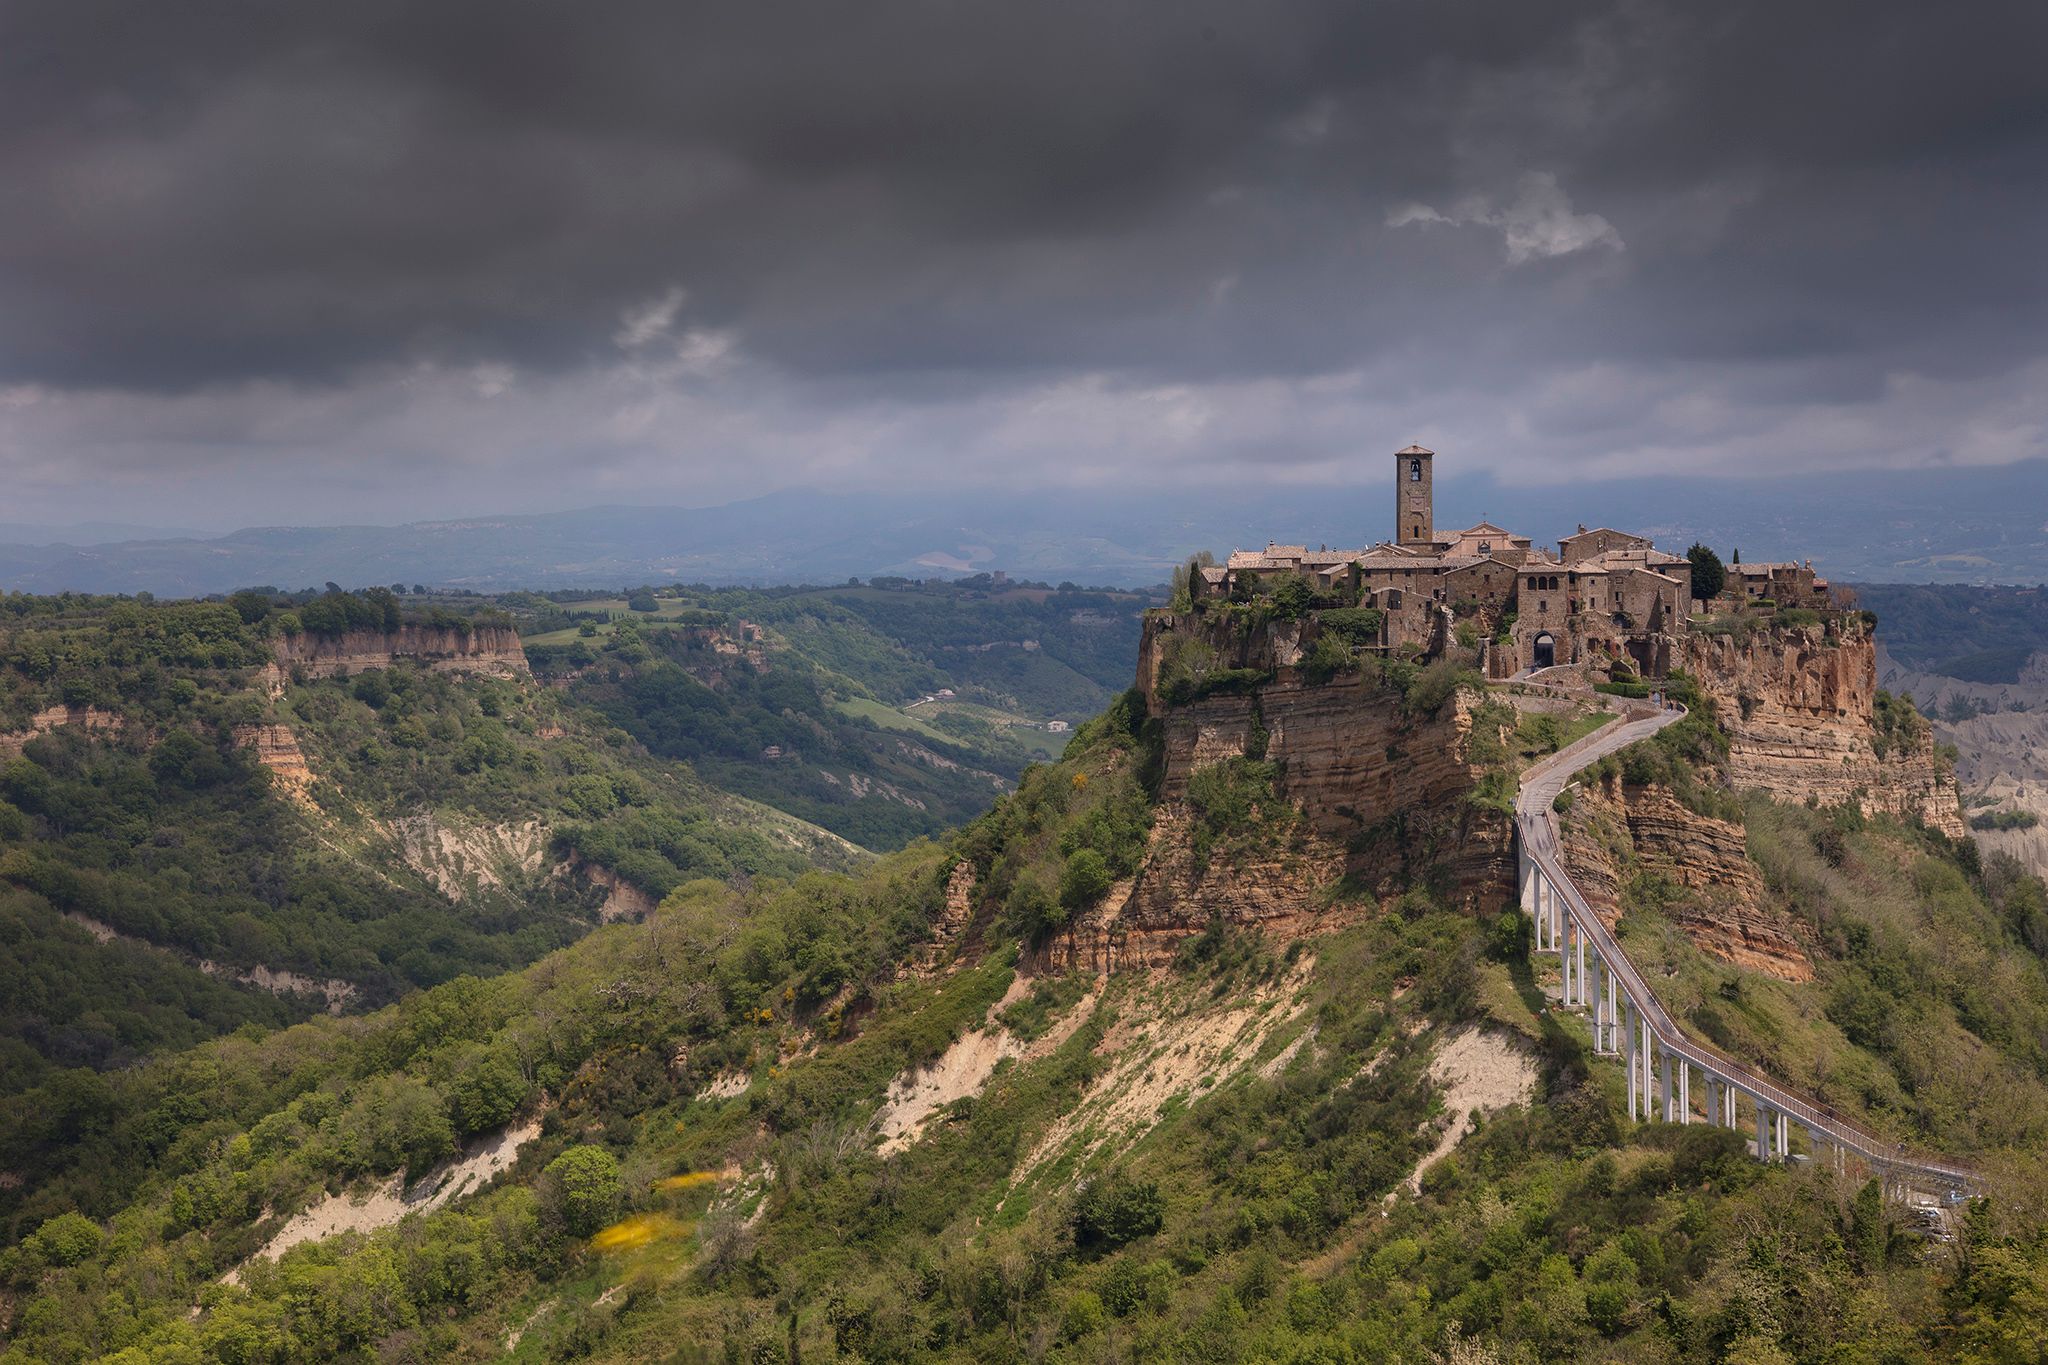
1604, 596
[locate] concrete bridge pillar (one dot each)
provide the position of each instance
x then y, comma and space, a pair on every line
1684, 1091
1664, 1079
1634, 1053
1614, 1005
1763, 1132
1579, 972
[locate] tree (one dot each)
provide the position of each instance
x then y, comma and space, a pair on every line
643, 601
582, 1186
1293, 598
67, 1239
1708, 575
1115, 1210
1085, 880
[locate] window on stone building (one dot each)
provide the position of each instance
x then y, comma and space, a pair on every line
1415, 471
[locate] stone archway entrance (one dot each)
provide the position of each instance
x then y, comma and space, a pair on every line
1546, 651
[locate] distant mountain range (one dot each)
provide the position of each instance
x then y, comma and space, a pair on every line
1955, 526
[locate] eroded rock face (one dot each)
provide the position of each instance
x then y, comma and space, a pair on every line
492, 650
277, 749
1281, 889
952, 921
88, 718
1372, 792
1614, 831
1800, 712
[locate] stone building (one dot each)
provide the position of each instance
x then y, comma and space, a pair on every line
1605, 596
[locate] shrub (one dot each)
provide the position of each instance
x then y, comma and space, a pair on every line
1116, 1210
2005, 819
67, 1239
1359, 625
1635, 690
1330, 656
1437, 683
581, 1187
1292, 598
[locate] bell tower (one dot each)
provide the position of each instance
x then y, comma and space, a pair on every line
1414, 521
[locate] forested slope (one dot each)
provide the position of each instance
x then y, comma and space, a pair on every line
854, 1117
193, 838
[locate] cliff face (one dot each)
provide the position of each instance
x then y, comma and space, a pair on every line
277, 749
493, 650
1613, 832
1800, 712
88, 718
1373, 793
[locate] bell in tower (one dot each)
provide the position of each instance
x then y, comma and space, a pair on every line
1414, 521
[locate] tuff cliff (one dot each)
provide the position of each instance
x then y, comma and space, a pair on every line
1799, 704
88, 718
1616, 831
493, 650
1351, 782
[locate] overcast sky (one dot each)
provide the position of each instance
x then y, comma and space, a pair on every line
285, 262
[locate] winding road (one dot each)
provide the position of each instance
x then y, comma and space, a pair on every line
1537, 827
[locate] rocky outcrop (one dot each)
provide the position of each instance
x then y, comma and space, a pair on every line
1614, 832
91, 719
1372, 795
277, 749
1799, 706
465, 860
333, 992
491, 650
622, 899
954, 915
1280, 886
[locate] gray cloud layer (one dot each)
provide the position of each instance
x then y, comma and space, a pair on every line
278, 261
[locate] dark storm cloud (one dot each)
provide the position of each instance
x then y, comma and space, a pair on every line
337, 240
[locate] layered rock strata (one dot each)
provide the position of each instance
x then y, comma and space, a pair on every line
88, 718
1613, 832
277, 749
1376, 796
1799, 707
490, 650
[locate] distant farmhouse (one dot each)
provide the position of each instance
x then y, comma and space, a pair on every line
1604, 594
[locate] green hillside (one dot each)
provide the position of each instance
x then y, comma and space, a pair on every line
149, 860
882, 712
757, 1137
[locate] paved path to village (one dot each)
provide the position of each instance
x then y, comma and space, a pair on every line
1537, 825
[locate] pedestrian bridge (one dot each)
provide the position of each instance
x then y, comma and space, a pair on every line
1672, 1076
